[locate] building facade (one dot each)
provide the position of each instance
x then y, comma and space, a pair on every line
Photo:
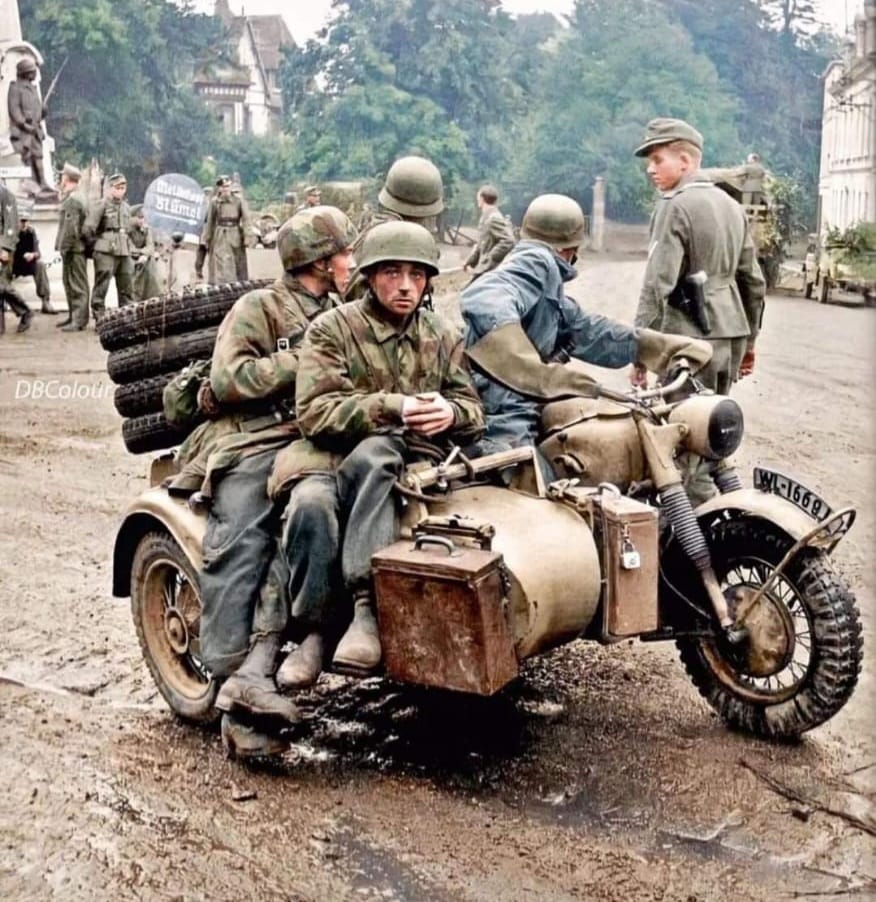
847, 177
244, 91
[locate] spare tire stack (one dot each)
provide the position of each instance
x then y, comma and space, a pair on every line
150, 342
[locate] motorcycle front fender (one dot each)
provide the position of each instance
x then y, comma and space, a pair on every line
155, 510
754, 503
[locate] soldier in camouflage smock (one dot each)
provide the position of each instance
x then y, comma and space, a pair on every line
413, 191
252, 382
225, 234
378, 378
106, 226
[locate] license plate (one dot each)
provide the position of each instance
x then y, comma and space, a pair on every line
778, 484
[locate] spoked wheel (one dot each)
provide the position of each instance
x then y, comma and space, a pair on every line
166, 606
800, 661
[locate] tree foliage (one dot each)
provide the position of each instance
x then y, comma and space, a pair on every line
124, 96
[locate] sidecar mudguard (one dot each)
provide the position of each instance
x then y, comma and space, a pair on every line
154, 510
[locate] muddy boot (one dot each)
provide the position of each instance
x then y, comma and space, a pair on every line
64, 322
359, 649
48, 309
303, 666
242, 741
24, 323
252, 690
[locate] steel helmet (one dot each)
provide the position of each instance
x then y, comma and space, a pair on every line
406, 242
25, 64
312, 234
555, 219
413, 187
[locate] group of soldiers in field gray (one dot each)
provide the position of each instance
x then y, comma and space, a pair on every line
324, 386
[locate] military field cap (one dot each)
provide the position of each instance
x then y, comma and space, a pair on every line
117, 179
665, 131
71, 172
26, 64
312, 189
223, 181
137, 210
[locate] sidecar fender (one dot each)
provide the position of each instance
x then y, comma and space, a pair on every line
154, 510
755, 503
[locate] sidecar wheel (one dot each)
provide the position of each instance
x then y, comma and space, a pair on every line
166, 607
802, 661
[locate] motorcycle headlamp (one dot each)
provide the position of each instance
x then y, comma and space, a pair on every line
714, 422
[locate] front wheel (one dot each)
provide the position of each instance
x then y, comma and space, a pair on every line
800, 662
166, 607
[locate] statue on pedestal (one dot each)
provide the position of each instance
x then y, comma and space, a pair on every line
26, 114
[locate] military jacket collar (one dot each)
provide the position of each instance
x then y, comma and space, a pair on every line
310, 303
694, 180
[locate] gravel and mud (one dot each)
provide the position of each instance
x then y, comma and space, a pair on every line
599, 775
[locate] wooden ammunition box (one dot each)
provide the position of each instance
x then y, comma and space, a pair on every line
442, 615
630, 594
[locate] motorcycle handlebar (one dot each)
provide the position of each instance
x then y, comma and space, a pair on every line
649, 393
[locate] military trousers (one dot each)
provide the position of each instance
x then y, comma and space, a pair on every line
239, 543
333, 524
107, 266
74, 273
40, 280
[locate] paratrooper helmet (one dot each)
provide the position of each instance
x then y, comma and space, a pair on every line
314, 233
413, 188
405, 242
556, 220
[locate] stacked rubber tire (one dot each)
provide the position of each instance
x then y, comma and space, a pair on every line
149, 343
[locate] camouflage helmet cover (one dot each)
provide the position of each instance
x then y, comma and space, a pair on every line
556, 220
413, 188
312, 234
405, 242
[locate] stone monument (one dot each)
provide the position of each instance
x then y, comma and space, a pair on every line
14, 49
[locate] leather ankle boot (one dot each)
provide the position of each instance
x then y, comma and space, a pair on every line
303, 665
242, 740
252, 690
359, 649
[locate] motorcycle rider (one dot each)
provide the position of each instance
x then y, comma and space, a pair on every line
381, 381
412, 191
252, 380
521, 329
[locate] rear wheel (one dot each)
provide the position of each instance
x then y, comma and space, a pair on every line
801, 660
166, 607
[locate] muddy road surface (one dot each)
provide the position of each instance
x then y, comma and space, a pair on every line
599, 775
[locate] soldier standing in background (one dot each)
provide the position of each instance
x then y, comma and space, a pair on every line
495, 235
225, 234
312, 198
698, 228
702, 278
143, 254
107, 226
27, 261
71, 245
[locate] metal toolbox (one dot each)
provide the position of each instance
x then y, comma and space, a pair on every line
630, 566
441, 612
